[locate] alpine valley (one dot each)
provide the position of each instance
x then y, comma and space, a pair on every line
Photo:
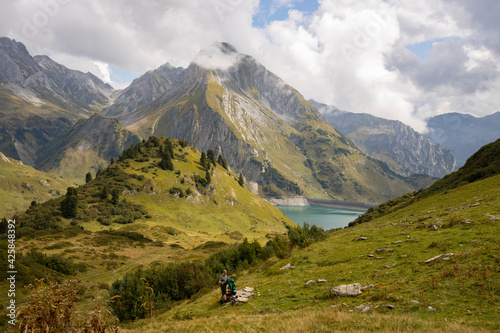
122, 207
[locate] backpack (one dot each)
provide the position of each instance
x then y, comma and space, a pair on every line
231, 286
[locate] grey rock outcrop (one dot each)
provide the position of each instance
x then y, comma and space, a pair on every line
287, 266
364, 307
243, 296
349, 290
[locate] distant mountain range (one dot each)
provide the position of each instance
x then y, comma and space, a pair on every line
463, 133
402, 148
40, 98
224, 101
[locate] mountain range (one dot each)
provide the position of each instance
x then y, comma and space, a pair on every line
224, 101
462, 133
405, 151
228, 102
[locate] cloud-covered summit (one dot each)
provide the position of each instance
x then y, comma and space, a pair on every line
218, 56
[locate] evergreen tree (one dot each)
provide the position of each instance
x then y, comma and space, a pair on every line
69, 205
211, 156
131, 152
112, 160
203, 160
3, 225
222, 162
208, 178
241, 181
104, 193
166, 162
169, 148
32, 206
88, 177
115, 196
98, 173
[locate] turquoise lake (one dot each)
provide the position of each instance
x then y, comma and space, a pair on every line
324, 217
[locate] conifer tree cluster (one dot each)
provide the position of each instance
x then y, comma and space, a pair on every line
69, 206
88, 177
211, 156
167, 154
222, 162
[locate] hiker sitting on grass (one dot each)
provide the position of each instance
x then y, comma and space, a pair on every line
223, 282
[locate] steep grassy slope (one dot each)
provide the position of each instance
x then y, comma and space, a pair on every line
167, 206
459, 293
21, 184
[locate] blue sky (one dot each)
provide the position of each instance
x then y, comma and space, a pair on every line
423, 50
121, 76
277, 10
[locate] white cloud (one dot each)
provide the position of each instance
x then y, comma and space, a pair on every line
104, 70
217, 56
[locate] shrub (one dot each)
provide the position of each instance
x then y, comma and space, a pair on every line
306, 235
51, 308
280, 246
60, 264
172, 282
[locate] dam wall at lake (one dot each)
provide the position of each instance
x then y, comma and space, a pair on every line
304, 201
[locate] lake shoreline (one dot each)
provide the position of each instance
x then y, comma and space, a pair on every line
330, 203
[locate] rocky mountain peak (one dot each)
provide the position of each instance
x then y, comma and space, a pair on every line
16, 64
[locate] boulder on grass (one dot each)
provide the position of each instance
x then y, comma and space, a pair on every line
349, 290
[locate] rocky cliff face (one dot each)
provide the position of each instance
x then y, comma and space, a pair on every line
462, 133
16, 64
403, 149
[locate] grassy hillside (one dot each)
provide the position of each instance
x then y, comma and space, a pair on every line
21, 184
146, 215
167, 205
458, 294
432, 265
